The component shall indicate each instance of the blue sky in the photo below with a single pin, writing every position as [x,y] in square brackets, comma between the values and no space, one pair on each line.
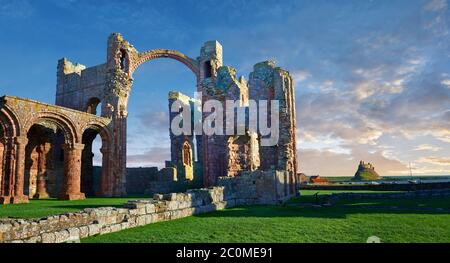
[372,77]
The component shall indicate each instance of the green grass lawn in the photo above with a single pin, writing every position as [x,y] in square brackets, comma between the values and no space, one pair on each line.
[45,207]
[295,224]
[289,223]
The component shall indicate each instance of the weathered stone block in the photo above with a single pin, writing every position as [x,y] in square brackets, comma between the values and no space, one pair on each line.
[84,231]
[48,238]
[36,239]
[105,230]
[61,236]
[94,229]
[74,233]
[116,228]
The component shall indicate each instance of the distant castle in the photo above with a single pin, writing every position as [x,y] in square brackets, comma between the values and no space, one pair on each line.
[363,165]
[366,171]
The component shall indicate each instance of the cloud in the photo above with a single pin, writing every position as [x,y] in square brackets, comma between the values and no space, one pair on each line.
[435,160]
[446,82]
[328,163]
[427,147]
[300,75]
[364,71]
[154,120]
[152,157]
[436,5]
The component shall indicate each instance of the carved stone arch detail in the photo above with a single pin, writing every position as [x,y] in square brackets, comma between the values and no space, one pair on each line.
[10,123]
[61,121]
[192,64]
[98,126]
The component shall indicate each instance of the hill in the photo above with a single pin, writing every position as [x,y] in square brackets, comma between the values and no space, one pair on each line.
[366,172]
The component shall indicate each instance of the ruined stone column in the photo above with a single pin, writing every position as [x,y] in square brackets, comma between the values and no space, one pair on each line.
[105,183]
[7,186]
[2,149]
[41,185]
[72,172]
[19,197]
[3,172]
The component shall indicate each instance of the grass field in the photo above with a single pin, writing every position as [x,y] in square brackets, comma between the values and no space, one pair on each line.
[295,224]
[289,223]
[45,207]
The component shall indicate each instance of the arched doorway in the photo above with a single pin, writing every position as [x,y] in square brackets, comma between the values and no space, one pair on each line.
[9,128]
[44,160]
[149,141]
[94,162]
[52,157]
[2,154]
[148,122]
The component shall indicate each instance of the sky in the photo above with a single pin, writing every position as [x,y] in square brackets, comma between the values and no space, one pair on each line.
[372,77]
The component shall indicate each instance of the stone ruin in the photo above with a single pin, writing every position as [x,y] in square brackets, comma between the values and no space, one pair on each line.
[46,150]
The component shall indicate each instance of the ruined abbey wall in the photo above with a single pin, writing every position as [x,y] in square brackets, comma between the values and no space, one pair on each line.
[46,150]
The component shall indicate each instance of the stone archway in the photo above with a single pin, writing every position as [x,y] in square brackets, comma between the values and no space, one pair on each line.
[165,53]
[112,82]
[123,61]
[91,182]
[11,185]
[67,126]
[66,148]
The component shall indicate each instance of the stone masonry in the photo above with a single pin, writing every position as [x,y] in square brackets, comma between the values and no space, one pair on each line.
[72,227]
[46,150]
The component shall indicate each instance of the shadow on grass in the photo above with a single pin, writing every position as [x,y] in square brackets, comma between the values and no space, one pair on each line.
[293,208]
[331,212]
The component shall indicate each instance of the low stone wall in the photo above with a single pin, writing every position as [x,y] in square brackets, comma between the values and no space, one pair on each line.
[150,180]
[139,179]
[71,227]
[258,187]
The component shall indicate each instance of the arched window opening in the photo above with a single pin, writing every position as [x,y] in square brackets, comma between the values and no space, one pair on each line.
[187,154]
[44,163]
[94,106]
[123,61]
[207,69]
[91,160]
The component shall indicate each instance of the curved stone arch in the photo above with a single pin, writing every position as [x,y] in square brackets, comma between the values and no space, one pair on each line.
[9,122]
[98,126]
[60,120]
[192,64]
[91,106]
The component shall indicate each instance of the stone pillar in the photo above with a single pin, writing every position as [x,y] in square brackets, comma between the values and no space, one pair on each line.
[19,197]
[7,184]
[72,172]
[41,185]
[3,173]
[2,149]
[105,177]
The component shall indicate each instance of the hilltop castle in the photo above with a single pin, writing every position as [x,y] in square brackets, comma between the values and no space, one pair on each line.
[366,171]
